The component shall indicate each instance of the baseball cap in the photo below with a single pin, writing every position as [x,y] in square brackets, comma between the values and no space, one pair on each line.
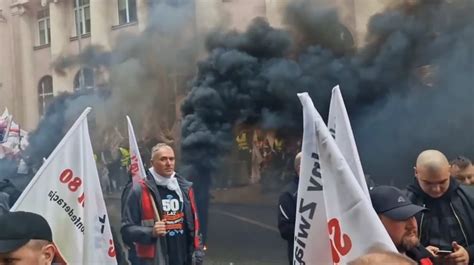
[391,202]
[18,228]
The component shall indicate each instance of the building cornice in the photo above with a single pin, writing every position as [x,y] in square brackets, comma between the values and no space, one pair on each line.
[45,3]
[18,7]
[18,10]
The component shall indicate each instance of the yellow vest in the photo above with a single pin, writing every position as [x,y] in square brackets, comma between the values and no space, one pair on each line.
[242,141]
[125,158]
[278,145]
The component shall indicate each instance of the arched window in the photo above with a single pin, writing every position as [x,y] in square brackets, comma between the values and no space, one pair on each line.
[88,81]
[45,93]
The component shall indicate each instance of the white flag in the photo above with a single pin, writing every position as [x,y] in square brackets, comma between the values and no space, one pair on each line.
[354,227]
[311,246]
[136,166]
[340,128]
[66,192]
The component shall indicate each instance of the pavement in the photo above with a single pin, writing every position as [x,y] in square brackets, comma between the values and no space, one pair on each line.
[244,235]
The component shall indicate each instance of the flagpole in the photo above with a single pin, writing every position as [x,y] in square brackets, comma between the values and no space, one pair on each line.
[134,151]
[155,210]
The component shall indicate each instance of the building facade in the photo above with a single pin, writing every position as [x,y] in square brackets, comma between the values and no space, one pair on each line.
[36,33]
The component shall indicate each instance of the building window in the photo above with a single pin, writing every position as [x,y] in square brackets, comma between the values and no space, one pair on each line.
[87,81]
[45,93]
[44,29]
[84,13]
[127,11]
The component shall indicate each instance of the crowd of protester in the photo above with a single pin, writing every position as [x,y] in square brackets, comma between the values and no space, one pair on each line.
[429,222]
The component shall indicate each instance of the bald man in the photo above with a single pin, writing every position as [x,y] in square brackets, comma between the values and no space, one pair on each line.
[449,223]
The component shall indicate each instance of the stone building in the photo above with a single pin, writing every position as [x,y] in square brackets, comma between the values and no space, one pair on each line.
[35,33]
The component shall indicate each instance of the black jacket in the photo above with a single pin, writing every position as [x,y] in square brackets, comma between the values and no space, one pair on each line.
[287,215]
[133,231]
[420,255]
[459,200]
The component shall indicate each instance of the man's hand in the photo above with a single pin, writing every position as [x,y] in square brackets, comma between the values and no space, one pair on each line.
[460,255]
[433,250]
[159,229]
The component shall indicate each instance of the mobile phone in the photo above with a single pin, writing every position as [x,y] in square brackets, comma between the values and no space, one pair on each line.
[443,252]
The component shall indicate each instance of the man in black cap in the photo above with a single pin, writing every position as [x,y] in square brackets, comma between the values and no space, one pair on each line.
[25,238]
[397,214]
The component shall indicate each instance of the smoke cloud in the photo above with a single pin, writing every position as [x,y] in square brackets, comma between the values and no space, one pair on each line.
[433,38]
[141,76]
[59,117]
[408,89]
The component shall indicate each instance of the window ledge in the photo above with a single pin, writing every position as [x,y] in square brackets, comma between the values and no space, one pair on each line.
[39,47]
[125,25]
[83,36]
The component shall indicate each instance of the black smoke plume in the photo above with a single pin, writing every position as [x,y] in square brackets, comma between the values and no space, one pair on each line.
[144,70]
[57,120]
[408,89]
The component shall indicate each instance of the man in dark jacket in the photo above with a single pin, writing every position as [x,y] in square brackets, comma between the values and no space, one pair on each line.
[287,210]
[160,215]
[129,245]
[397,214]
[449,223]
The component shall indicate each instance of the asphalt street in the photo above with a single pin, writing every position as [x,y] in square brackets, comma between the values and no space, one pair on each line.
[244,235]
[238,234]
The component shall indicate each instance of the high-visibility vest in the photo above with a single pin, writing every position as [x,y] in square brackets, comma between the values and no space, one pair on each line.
[125,157]
[242,141]
[278,145]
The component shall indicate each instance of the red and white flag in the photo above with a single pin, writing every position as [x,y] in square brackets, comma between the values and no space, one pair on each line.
[353,225]
[311,245]
[66,191]
[136,165]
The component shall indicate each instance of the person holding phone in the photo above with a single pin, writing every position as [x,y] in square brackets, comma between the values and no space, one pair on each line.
[397,214]
[448,227]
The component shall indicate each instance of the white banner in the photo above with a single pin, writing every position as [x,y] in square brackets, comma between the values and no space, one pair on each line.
[136,164]
[311,244]
[354,227]
[340,128]
[66,191]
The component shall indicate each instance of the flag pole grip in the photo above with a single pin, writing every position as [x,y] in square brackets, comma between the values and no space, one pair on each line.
[155,210]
